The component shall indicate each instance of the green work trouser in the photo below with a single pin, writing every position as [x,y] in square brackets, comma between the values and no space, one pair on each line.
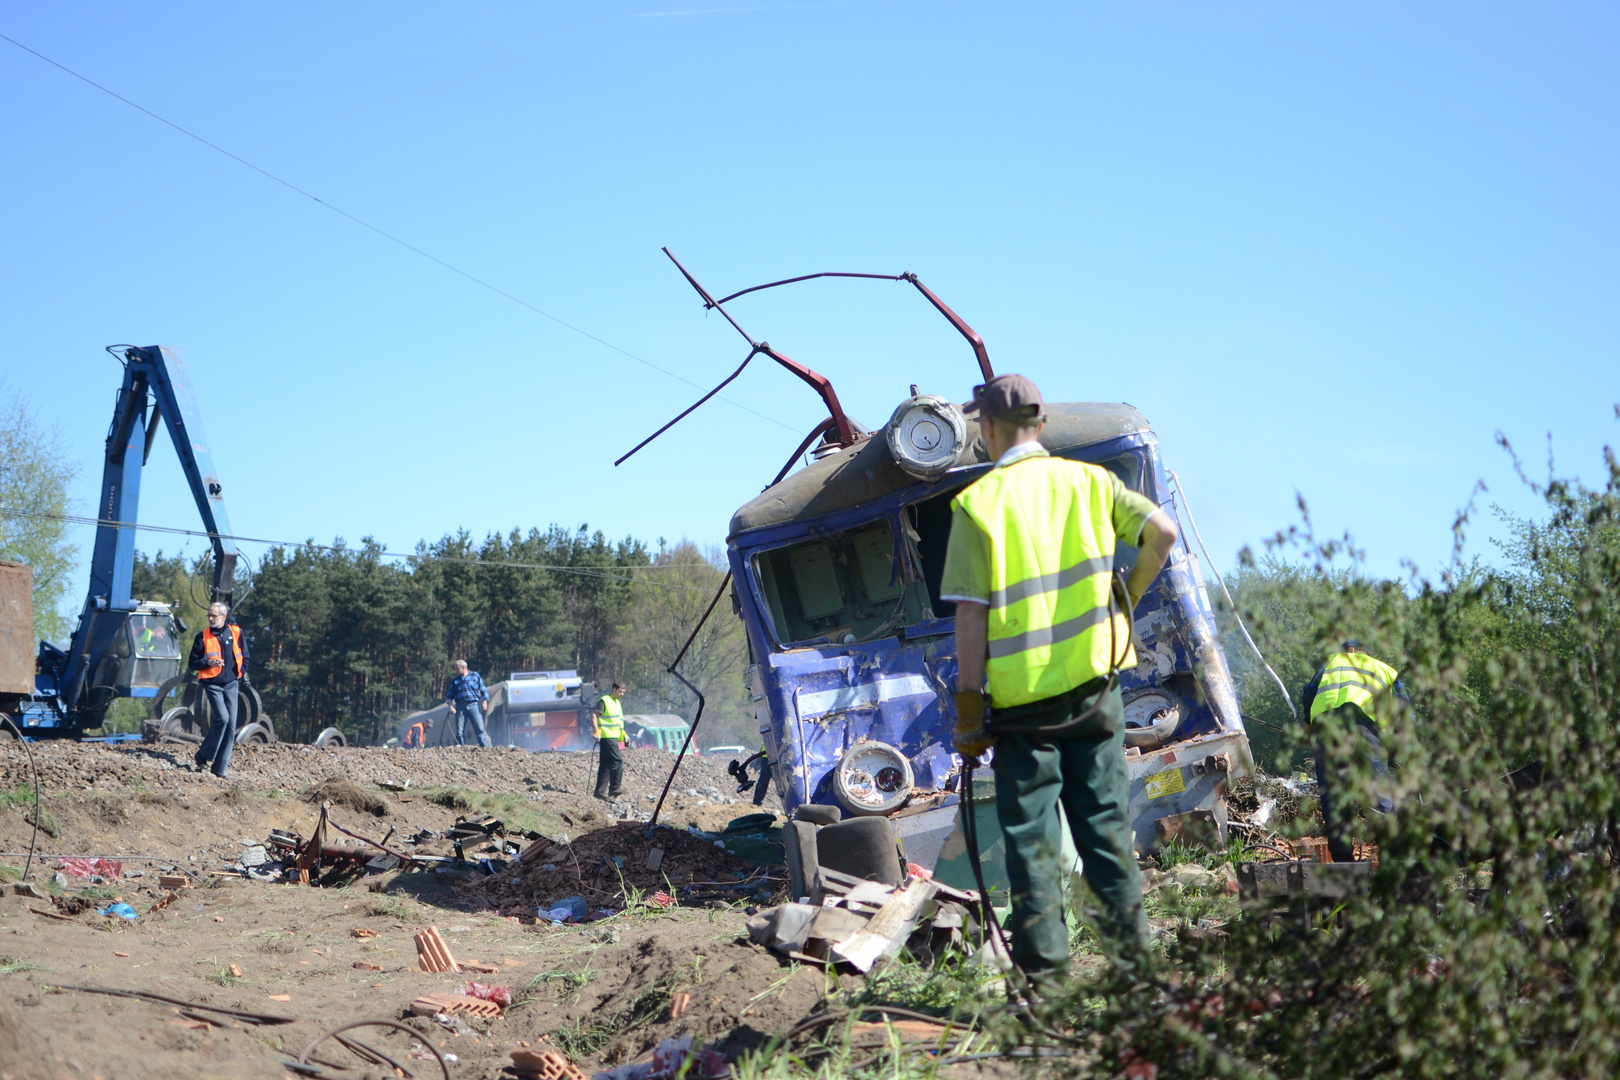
[1084,770]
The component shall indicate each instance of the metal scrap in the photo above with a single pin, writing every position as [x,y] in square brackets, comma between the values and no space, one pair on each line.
[859,922]
[142,995]
[303,1065]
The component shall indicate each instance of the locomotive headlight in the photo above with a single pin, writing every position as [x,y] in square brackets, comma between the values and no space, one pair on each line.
[926,435]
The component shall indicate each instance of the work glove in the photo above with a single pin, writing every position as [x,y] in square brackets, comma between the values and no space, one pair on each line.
[971,740]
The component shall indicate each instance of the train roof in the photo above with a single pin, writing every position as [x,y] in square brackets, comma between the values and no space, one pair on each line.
[866,472]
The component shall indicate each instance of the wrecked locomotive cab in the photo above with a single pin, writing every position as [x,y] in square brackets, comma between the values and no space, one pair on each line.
[837,570]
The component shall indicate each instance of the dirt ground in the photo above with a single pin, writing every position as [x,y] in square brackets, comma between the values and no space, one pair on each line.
[606,990]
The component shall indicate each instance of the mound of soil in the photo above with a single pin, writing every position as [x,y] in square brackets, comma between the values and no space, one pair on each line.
[680,982]
[69,766]
[341,792]
[602,866]
[23,1054]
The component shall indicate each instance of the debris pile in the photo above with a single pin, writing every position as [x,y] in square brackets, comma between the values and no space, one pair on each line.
[1268,802]
[674,1057]
[859,922]
[602,867]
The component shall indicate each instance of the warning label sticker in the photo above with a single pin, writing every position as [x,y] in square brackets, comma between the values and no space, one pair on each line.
[1160,784]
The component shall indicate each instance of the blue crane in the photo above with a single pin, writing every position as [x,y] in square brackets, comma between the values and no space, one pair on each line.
[124,646]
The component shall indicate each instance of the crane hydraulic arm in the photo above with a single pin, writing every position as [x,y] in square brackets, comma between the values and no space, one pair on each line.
[123,647]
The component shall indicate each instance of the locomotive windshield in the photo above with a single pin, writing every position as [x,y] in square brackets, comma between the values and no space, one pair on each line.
[840,587]
[862,584]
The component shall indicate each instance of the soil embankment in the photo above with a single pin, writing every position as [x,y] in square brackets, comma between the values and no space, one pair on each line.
[608,990]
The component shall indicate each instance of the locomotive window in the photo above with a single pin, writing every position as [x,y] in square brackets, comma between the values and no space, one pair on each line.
[932,520]
[1127,466]
[838,586]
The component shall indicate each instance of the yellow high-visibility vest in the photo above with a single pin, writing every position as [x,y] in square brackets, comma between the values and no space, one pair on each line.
[1353,679]
[1050,527]
[611,722]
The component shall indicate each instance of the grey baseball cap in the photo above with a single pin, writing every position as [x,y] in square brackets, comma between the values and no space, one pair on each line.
[1008,397]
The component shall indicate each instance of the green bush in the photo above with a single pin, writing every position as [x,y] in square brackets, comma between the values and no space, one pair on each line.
[1487,944]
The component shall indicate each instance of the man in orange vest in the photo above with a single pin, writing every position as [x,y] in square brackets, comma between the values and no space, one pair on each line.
[219,656]
[417,735]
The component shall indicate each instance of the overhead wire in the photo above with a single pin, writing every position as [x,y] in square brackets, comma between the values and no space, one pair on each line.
[1237,616]
[608,573]
[384,233]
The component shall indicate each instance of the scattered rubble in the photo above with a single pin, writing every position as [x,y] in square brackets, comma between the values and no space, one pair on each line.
[602,867]
[858,922]
[673,1058]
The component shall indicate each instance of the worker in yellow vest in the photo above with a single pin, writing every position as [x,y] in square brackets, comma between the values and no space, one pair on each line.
[1357,689]
[1041,629]
[607,726]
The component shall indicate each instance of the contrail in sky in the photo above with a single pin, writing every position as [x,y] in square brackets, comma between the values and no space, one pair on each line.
[772,7]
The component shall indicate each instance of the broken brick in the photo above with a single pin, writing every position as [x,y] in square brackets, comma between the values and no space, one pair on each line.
[428,1004]
[433,954]
[544,1065]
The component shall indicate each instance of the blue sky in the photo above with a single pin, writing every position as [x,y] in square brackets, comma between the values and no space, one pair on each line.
[1328,249]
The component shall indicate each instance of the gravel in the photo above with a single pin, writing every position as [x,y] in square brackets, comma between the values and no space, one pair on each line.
[69,766]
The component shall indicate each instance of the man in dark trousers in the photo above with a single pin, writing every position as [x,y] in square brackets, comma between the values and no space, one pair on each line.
[468,698]
[1354,688]
[1040,631]
[219,656]
[607,724]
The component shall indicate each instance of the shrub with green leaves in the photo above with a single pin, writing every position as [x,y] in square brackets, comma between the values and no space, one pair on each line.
[1487,944]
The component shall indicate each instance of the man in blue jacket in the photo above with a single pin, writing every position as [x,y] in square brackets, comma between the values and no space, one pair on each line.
[468,698]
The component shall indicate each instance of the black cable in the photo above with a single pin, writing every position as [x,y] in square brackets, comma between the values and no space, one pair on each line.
[605,573]
[1017,983]
[33,771]
[386,235]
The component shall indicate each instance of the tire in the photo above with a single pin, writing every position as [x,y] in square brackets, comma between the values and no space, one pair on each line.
[180,724]
[331,737]
[8,729]
[158,703]
[254,735]
[249,706]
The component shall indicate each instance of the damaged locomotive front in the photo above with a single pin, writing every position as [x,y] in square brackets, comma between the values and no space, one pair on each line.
[837,572]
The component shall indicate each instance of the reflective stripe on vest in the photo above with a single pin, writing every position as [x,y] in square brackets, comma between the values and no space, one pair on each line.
[1353,679]
[611,723]
[1050,528]
[215,657]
